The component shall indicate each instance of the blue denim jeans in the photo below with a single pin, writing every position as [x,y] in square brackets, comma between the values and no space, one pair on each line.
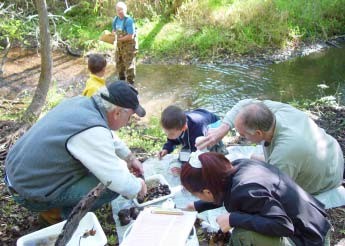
[69,198]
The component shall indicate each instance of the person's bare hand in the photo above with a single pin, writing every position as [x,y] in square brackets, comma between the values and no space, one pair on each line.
[190,207]
[223,221]
[162,153]
[135,165]
[143,189]
[176,171]
[213,136]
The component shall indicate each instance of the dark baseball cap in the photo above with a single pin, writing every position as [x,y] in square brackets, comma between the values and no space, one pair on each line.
[124,95]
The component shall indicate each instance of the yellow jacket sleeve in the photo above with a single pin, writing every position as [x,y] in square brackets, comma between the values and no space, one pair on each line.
[92,85]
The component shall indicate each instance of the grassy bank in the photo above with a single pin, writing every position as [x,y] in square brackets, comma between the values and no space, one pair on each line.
[214,28]
[196,28]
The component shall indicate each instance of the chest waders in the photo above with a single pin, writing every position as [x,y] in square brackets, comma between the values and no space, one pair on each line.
[125,56]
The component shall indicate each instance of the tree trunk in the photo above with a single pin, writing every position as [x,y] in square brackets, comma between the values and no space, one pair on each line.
[35,108]
[33,111]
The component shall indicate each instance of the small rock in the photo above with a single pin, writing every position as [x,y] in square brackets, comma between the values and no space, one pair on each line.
[15,230]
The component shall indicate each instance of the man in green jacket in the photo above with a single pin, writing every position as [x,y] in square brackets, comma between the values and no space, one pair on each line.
[291,141]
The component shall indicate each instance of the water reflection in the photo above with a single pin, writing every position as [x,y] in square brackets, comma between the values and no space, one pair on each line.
[218,88]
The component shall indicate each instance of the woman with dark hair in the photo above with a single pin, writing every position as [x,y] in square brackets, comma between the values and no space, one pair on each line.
[266,207]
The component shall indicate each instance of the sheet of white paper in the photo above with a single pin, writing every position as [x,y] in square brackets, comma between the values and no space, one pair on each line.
[160,229]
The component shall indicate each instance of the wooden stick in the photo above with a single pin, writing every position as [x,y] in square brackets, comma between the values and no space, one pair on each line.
[169,211]
[78,213]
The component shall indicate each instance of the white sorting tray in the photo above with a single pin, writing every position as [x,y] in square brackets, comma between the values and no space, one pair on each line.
[161,180]
[48,235]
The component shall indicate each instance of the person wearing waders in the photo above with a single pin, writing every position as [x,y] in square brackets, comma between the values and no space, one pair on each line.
[126,44]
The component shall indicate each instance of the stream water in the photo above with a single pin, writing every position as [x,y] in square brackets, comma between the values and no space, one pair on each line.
[213,87]
[219,87]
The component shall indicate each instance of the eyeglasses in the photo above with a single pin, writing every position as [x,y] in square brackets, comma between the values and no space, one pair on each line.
[128,112]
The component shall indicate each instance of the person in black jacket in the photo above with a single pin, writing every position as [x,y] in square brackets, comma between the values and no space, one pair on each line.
[265,206]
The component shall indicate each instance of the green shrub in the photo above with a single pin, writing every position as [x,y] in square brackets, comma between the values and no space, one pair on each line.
[13,25]
[187,28]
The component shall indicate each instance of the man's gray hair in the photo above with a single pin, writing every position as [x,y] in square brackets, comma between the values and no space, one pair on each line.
[122,5]
[107,105]
[257,116]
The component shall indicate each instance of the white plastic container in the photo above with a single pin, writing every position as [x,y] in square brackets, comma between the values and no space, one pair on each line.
[191,241]
[160,178]
[48,235]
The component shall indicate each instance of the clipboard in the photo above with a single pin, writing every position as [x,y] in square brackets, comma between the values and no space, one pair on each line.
[160,229]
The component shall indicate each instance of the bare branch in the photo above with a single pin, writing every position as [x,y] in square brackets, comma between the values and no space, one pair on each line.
[78,213]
